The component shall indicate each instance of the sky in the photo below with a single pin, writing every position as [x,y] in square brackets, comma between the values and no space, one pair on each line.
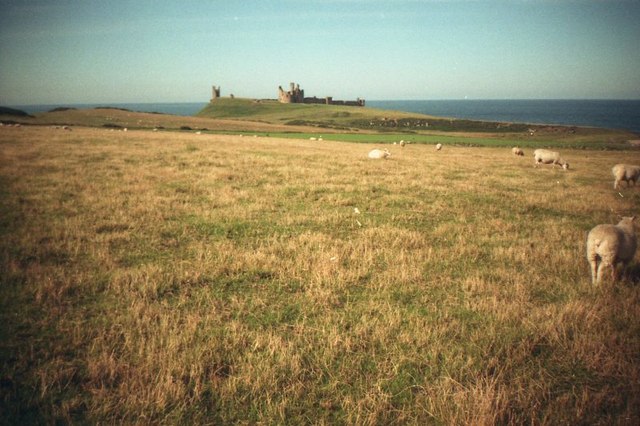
[93,51]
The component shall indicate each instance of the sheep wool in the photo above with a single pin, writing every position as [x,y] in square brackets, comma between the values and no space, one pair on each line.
[625,172]
[609,245]
[378,153]
[545,156]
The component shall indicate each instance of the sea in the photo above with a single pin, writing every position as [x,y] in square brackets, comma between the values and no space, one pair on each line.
[610,114]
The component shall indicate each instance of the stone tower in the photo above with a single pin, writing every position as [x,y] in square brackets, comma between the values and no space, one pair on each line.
[293,96]
[215,93]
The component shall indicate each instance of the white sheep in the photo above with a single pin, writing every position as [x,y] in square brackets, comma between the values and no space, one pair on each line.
[402,143]
[545,156]
[378,153]
[625,172]
[517,151]
[609,245]
[438,147]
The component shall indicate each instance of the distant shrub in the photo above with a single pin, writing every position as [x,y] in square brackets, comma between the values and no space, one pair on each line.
[297,123]
[108,107]
[11,111]
[61,109]
[185,128]
[112,126]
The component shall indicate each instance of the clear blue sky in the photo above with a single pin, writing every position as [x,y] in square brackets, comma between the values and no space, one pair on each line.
[92,51]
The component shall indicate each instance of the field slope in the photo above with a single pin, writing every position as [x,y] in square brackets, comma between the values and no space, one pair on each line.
[170,277]
[343,123]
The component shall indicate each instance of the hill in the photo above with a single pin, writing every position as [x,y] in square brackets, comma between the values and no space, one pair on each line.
[120,118]
[13,112]
[345,117]
[351,119]
[344,123]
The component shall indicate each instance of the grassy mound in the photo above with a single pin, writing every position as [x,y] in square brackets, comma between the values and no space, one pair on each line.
[350,118]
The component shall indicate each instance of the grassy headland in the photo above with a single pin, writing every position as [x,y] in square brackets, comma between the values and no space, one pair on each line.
[344,123]
[171,277]
[358,124]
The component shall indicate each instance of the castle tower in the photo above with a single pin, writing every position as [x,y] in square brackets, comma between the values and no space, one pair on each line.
[284,97]
[215,93]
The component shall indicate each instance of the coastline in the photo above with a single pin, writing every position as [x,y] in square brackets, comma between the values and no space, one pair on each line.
[607,114]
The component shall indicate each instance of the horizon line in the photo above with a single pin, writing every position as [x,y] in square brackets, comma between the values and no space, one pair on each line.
[274,99]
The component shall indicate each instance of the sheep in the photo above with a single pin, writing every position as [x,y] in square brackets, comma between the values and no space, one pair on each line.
[544,156]
[609,245]
[378,153]
[625,172]
[402,143]
[517,151]
[438,147]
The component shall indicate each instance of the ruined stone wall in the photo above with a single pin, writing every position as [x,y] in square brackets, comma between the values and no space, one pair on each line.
[215,93]
[293,96]
[296,96]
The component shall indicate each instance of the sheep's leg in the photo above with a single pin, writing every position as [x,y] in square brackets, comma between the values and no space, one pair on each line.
[614,271]
[593,262]
[623,271]
[601,267]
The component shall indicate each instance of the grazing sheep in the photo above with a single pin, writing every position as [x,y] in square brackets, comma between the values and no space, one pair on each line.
[609,245]
[402,143]
[438,147]
[378,153]
[625,172]
[544,156]
[517,151]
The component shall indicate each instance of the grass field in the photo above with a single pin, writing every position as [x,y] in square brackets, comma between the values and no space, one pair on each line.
[168,277]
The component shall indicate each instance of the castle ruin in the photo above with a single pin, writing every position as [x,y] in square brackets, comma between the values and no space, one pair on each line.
[215,93]
[296,96]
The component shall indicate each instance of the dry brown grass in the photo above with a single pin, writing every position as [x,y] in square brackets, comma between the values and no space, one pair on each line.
[181,278]
[119,118]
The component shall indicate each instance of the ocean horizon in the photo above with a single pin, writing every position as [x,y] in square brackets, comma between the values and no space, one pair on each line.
[610,114]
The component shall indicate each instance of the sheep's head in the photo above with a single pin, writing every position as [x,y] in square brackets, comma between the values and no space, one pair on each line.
[565,165]
[626,220]
[387,153]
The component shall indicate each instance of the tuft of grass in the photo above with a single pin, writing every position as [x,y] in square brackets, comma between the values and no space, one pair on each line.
[183,278]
